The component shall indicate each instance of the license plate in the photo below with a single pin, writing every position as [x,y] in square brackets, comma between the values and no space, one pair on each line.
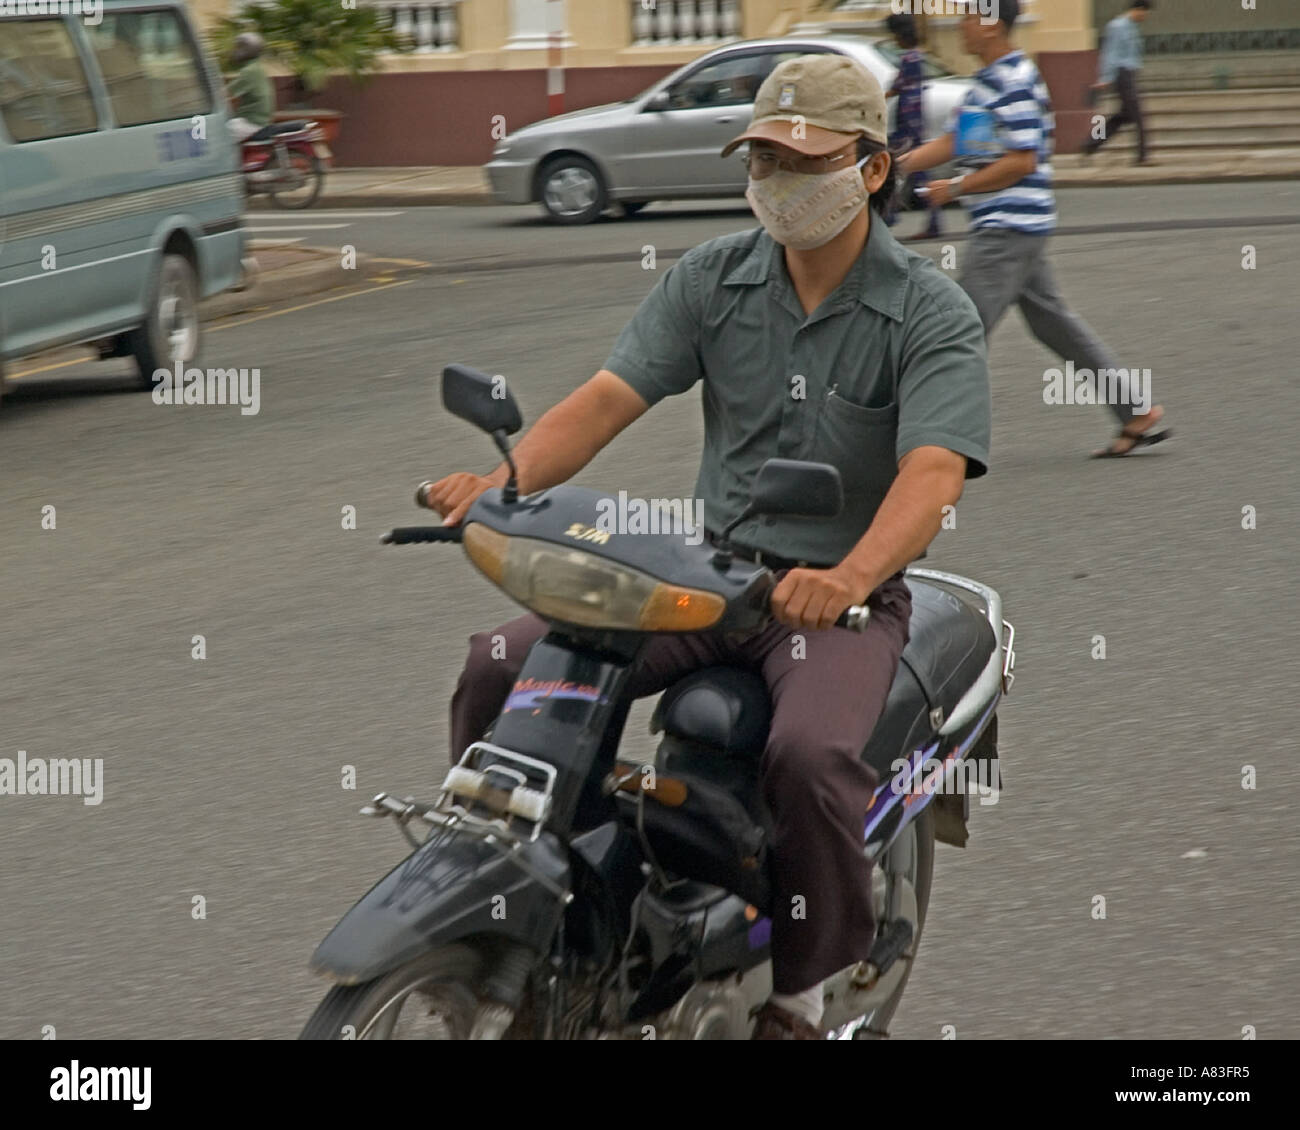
[321,150]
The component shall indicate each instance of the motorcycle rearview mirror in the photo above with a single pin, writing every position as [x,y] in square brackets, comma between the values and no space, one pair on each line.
[797,488]
[487,403]
[792,487]
[481,400]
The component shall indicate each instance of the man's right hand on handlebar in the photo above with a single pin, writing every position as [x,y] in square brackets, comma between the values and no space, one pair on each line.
[454,495]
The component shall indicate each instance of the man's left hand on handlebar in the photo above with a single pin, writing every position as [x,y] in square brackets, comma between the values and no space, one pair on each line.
[813,599]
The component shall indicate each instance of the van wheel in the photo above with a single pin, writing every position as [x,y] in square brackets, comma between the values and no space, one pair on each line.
[170,331]
[572,191]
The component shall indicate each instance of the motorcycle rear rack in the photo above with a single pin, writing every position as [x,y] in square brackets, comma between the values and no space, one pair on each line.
[997,675]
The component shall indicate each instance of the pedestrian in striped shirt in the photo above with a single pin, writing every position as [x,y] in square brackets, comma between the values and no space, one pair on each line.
[1002,135]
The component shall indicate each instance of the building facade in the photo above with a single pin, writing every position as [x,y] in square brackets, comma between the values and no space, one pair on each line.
[477,63]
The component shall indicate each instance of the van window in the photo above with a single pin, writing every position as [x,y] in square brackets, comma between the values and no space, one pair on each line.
[150,67]
[43,89]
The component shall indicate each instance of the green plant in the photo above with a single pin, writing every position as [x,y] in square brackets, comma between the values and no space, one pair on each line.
[312,39]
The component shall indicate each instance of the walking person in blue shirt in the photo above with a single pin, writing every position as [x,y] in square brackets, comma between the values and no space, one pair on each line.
[1121,59]
[1007,122]
[909,124]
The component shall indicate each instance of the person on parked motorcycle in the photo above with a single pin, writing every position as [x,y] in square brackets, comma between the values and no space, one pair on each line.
[251,93]
[817,336]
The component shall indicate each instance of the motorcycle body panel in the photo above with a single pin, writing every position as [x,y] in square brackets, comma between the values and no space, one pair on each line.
[454,886]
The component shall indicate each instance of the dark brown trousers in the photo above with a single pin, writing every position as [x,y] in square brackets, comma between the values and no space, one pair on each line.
[828,690]
[1129,113]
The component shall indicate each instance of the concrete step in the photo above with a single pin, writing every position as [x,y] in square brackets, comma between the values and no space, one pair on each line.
[1255,137]
[1189,84]
[1114,166]
[1237,64]
[1168,142]
[1238,72]
[1225,120]
[1247,101]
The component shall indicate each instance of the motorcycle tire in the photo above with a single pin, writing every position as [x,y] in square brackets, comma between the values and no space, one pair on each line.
[443,979]
[315,175]
[878,1029]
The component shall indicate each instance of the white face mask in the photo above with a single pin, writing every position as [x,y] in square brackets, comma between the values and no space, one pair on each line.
[805,210]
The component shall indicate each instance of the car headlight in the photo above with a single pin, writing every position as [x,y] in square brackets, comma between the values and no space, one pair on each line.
[584,589]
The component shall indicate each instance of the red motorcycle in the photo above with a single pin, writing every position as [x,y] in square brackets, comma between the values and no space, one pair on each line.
[286,161]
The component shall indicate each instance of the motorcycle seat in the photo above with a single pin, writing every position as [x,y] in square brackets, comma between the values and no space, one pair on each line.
[727,709]
[277,128]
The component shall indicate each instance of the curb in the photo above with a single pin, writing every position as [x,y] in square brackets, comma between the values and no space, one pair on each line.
[322,273]
[1062,178]
[1075,178]
[413,198]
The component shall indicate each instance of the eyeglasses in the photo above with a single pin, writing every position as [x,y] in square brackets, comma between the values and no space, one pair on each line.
[760,163]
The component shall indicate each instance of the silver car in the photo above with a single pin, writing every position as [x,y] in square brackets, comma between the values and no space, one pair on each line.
[664,143]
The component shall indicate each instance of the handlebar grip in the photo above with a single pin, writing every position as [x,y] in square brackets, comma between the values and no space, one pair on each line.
[412,535]
[854,618]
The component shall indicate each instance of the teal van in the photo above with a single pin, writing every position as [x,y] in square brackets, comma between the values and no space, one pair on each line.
[120,191]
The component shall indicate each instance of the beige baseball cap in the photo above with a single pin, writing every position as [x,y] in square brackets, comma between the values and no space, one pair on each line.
[815,103]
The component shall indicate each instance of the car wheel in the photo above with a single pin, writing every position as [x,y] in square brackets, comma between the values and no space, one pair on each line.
[572,191]
[170,330]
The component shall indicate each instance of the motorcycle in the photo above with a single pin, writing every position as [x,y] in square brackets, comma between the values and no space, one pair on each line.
[286,161]
[561,892]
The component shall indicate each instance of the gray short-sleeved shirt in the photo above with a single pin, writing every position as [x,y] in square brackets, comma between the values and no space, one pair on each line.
[892,360]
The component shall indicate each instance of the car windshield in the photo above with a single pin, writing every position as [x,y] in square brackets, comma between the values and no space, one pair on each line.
[891,53]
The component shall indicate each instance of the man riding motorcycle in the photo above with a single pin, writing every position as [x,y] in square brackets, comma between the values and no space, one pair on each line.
[817,337]
[251,93]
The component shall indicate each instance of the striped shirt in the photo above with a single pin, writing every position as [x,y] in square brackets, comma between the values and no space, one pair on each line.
[1011,94]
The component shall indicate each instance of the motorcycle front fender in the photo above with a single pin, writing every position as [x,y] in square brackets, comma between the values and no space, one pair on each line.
[448,889]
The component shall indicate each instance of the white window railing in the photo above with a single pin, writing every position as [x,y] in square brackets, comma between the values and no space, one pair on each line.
[432,26]
[660,23]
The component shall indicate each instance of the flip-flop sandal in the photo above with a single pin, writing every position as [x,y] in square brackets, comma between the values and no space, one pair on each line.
[1146,439]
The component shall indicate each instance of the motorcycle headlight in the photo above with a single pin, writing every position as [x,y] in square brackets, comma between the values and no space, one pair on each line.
[582,588]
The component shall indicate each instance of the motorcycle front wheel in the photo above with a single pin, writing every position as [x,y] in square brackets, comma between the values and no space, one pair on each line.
[429,998]
[310,173]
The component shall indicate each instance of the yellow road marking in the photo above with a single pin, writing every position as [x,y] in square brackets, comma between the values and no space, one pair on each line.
[222,326]
[307,305]
[47,368]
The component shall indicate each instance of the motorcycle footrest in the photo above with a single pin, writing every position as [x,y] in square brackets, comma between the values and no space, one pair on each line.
[890,946]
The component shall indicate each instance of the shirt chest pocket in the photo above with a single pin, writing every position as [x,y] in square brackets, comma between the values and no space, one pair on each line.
[860,443]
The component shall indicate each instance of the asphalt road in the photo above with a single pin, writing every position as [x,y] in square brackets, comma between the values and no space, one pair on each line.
[1123,775]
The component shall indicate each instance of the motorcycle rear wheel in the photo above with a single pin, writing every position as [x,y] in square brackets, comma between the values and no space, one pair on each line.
[430,997]
[306,194]
[921,876]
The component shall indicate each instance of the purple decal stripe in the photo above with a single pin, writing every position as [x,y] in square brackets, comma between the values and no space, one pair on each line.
[879,811]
